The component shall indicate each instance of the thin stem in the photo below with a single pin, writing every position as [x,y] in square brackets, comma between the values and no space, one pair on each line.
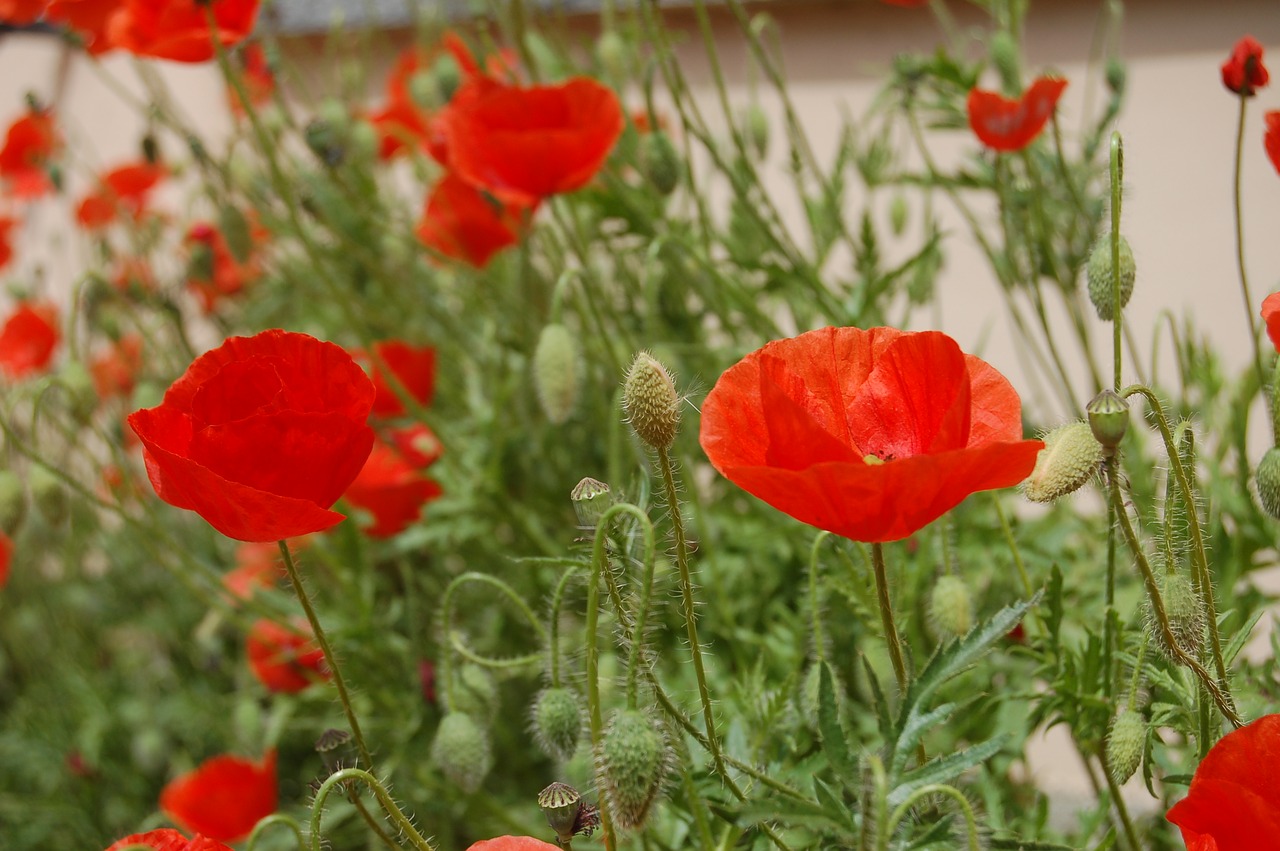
[1122,809]
[553,630]
[342,777]
[1239,223]
[1013,545]
[641,617]
[1117,184]
[886,616]
[276,818]
[815,612]
[966,809]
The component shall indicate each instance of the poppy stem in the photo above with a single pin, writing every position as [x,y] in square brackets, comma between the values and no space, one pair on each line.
[1239,222]
[886,616]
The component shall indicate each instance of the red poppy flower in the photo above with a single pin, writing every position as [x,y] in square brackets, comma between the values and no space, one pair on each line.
[1271,316]
[528,143]
[1234,802]
[133,274]
[255,74]
[6,557]
[260,435]
[1272,138]
[417,444]
[168,839]
[401,126]
[29,144]
[28,339]
[258,565]
[1010,125]
[870,434]
[1243,72]
[87,18]
[21,12]
[7,223]
[392,490]
[125,188]
[223,798]
[213,272]
[178,29]
[115,370]
[512,843]
[462,222]
[284,659]
[413,366]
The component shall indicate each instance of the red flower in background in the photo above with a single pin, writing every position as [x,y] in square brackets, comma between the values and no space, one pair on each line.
[168,839]
[223,798]
[462,222]
[178,29]
[122,189]
[512,843]
[870,434]
[1243,72]
[21,12]
[261,435]
[213,270]
[255,74]
[414,367]
[29,144]
[527,143]
[115,370]
[28,339]
[6,557]
[392,490]
[284,659]
[258,565]
[88,18]
[401,126]
[1271,141]
[7,223]
[1234,802]
[1010,125]
[417,444]
[1271,316]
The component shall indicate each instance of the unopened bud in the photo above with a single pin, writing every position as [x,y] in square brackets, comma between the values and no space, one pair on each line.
[1099,275]
[591,499]
[1125,744]
[633,764]
[474,692]
[898,212]
[1268,478]
[13,502]
[1108,414]
[1116,76]
[611,53]
[557,722]
[650,400]
[48,494]
[756,124]
[1070,457]
[950,608]
[461,751]
[660,161]
[1004,56]
[557,372]
[1184,611]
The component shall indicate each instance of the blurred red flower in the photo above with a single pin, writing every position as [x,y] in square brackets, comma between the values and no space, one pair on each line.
[168,839]
[467,224]
[29,144]
[1234,803]
[6,557]
[870,434]
[392,490]
[1271,316]
[512,843]
[417,444]
[258,565]
[28,339]
[7,223]
[21,12]
[256,77]
[527,143]
[261,435]
[122,189]
[213,270]
[1003,124]
[178,29]
[224,798]
[88,18]
[1243,72]
[284,659]
[133,274]
[413,366]
[115,370]
[1271,141]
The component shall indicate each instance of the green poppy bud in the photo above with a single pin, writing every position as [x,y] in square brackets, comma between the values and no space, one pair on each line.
[660,161]
[474,692]
[448,77]
[1098,274]
[557,372]
[48,494]
[13,502]
[1108,414]
[613,55]
[1268,478]
[1125,743]
[756,126]
[650,400]
[633,763]
[1004,56]
[950,608]
[1070,458]
[1185,611]
[898,212]
[557,722]
[461,751]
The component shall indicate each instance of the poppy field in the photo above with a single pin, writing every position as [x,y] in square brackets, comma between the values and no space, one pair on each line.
[481,455]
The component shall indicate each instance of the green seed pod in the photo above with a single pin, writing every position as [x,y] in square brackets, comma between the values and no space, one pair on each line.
[1125,743]
[461,751]
[613,55]
[633,764]
[448,77]
[48,494]
[950,608]
[1108,414]
[660,161]
[557,372]
[561,804]
[475,692]
[13,503]
[1116,75]
[650,400]
[557,722]
[1004,56]
[424,90]
[756,126]
[1268,478]
[898,212]
[364,141]
[1184,610]
[591,499]
[1070,458]
[1098,274]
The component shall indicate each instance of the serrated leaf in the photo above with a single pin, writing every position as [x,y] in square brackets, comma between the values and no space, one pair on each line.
[946,768]
[913,730]
[833,805]
[883,719]
[1237,642]
[834,743]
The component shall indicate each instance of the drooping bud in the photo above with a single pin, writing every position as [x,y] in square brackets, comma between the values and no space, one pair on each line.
[650,400]
[48,494]
[1268,478]
[660,161]
[1108,414]
[633,764]
[1115,75]
[81,398]
[557,372]
[448,76]
[1004,56]
[1098,273]
[1125,743]
[13,502]
[1070,457]
[611,53]
[756,125]
[898,212]
[1185,611]
[461,751]
[474,692]
[591,499]
[557,722]
[950,608]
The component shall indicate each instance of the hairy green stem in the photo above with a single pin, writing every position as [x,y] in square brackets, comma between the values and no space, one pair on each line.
[886,616]
[1239,227]
[966,809]
[343,777]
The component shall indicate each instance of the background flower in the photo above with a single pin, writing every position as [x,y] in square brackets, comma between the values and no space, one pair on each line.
[28,339]
[178,29]
[392,490]
[223,798]
[1243,72]
[1003,124]
[284,659]
[168,839]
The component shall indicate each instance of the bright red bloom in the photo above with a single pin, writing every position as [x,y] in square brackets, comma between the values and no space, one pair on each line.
[115,370]
[255,74]
[392,490]
[213,271]
[88,18]
[168,839]
[1234,801]
[527,143]
[28,339]
[512,843]
[1010,125]
[870,434]
[413,366]
[417,443]
[284,659]
[261,435]
[6,557]
[1271,316]
[178,29]
[258,565]
[21,12]
[462,222]
[1243,72]
[7,223]
[122,189]
[223,798]
[1272,138]
[29,144]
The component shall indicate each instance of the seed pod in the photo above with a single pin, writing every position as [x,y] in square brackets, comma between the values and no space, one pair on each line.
[557,722]
[591,499]
[660,161]
[950,608]
[1098,274]
[1125,744]
[461,751]
[633,764]
[1268,478]
[1070,457]
[650,401]
[1108,414]
[561,803]
[557,372]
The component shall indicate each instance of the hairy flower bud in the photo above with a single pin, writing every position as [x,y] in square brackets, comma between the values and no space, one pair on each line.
[1185,611]
[898,212]
[1268,477]
[650,400]
[1098,273]
[1070,457]
[557,722]
[13,502]
[557,372]
[633,763]
[461,751]
[660,161]
[950,608]
[474,692]
[757,129]
[1125,743]
[1108,414]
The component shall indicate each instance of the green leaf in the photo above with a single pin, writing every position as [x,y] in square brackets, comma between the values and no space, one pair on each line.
[1022,845]
[832,804]
[945,769]
[834,743]
[883,719]
[1053,598]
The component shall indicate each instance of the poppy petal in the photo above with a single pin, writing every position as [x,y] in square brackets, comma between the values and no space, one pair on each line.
[224,798]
